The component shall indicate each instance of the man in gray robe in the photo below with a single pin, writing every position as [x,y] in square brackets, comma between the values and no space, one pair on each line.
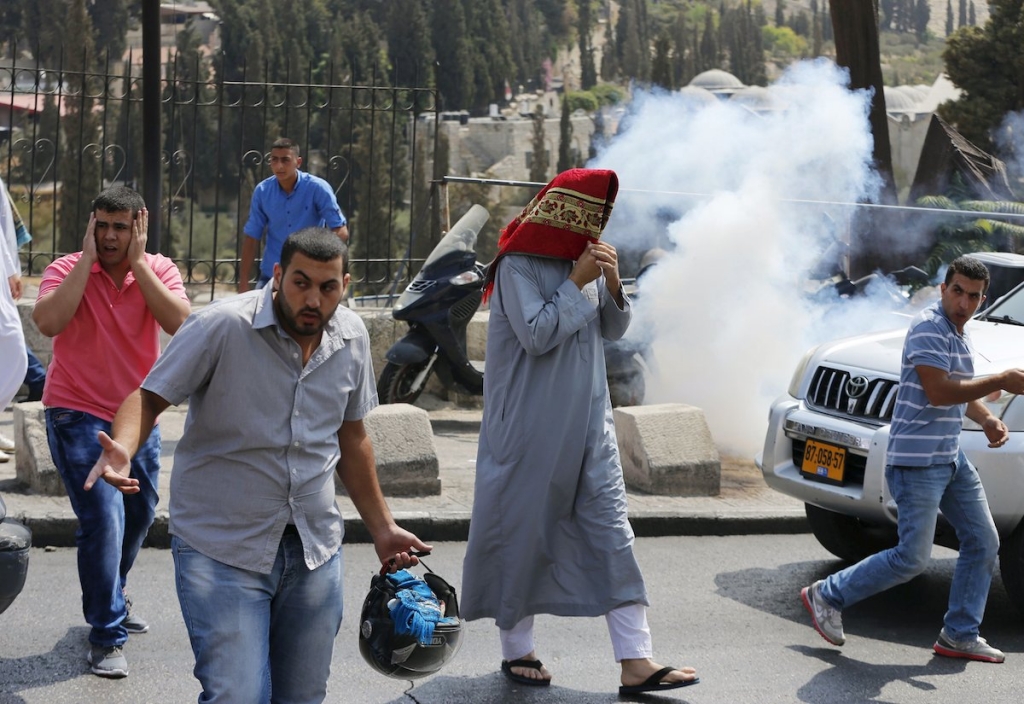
[549,531]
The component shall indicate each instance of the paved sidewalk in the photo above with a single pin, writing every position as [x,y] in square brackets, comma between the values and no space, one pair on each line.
[745,504]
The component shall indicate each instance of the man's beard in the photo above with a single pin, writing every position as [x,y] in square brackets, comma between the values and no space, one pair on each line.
[288,319]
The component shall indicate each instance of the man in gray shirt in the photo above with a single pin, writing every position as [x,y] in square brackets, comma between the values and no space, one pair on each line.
[278,382]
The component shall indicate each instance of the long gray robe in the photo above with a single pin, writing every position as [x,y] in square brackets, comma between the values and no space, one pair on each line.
[549,532]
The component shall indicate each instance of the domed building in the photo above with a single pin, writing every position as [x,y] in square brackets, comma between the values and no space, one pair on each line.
[697,97]
[721,83]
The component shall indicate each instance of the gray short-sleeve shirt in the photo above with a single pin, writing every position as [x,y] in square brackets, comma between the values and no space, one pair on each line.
[260,444]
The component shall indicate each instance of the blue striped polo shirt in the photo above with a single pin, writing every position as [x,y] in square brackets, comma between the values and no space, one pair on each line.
[923,434]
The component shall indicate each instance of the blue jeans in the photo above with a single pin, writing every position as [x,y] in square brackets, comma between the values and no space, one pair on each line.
[919,493]
[111,525]
[35,376]
[260,638]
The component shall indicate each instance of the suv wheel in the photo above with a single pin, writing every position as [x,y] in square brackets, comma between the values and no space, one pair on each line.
[1011,566]
[850,538]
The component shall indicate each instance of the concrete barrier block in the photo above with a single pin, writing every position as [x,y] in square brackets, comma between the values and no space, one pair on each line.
[35,467]
[403,443]
[41,345]
[667,449]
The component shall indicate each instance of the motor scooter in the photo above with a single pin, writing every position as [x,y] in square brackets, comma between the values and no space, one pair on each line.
[15,541]
[438,305]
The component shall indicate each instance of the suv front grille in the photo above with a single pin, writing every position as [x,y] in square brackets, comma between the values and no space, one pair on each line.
[873,401]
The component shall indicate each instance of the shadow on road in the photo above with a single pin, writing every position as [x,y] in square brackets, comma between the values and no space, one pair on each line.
[909,614]
[863,682]
[46,669]
[496,689]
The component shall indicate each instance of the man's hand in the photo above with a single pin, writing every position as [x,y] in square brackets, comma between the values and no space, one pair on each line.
[14,281]
[1012,380]
[394,548]
[586,268]
[113,467]
[608,259]
[140,235]
[996,431]
[89,252]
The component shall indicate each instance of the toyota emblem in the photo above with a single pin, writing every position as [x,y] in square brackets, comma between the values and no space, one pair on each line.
[857,387]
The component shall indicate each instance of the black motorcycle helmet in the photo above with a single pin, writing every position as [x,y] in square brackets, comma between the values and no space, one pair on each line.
[401,656]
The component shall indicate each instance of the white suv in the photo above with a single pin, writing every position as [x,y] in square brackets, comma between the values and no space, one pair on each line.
[827,439]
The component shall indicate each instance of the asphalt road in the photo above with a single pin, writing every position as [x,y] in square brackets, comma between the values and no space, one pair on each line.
[727,605]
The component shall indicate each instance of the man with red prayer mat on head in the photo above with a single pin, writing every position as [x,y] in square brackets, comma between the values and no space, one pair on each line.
[549,532]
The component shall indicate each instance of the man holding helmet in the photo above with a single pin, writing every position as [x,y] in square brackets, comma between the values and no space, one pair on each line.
[256,532]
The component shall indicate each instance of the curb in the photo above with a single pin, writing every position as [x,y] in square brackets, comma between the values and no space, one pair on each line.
[59,531]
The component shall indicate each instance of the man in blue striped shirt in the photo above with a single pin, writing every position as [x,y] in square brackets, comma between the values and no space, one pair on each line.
[927,471]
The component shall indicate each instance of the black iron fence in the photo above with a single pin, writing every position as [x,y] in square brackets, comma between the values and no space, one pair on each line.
[67,133]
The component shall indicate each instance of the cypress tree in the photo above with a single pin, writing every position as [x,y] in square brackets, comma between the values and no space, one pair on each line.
[585,26]
[565,160]
[539,165]
[79,175]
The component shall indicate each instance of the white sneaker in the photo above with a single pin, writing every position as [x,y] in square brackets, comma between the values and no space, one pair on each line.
[6,444]
[828,621]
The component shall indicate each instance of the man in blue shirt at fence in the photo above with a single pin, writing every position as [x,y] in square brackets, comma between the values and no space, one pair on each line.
[282,204]
[927,471]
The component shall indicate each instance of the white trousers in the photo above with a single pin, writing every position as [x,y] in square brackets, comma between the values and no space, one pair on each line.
[627,626]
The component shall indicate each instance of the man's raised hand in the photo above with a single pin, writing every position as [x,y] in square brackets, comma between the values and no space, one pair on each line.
[113,467]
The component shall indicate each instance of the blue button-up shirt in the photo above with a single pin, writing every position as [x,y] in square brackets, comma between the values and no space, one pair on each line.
[310,204]
[260,444]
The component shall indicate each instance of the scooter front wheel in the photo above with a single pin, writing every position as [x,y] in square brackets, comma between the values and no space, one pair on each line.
[403,383]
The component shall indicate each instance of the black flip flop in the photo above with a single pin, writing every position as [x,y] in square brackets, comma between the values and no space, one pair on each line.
[654,683]
[507,665]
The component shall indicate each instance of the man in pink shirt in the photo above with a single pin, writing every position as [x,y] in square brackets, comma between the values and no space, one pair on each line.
[105,307]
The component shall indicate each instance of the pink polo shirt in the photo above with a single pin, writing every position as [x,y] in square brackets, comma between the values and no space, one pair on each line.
[111,342]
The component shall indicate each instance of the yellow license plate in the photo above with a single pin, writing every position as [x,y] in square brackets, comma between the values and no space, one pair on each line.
[824,461]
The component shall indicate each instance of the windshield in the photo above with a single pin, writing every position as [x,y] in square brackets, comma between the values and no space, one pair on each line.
[462,236]
[1009,308]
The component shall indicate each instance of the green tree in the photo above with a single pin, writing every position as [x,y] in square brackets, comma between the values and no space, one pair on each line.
[454,54]
[986,64]
[962,15]
[556,16]
[409,46]
[12,18]
[540,162]
[110,25]
[565,160]
[709,52]
[633,40]
[886,11]
[661,66]
[80,162]
[531,37]
[949,17]
[44,29]
[780,13]
[379,164]
[610,56]
[487,25]
[971,17]
[585,28]
[742,38]
[922,15]
[962,234]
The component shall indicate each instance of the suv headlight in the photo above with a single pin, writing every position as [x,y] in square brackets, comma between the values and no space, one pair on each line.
[1002,407]
[798,374]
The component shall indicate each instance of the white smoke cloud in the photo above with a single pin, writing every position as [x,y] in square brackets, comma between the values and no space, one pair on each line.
[726,309]
[1009,137]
